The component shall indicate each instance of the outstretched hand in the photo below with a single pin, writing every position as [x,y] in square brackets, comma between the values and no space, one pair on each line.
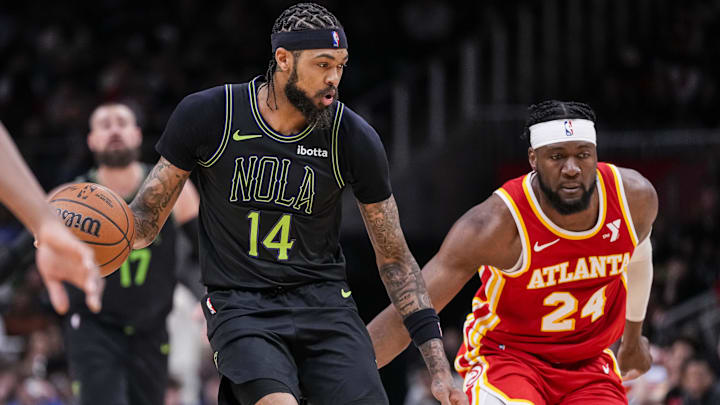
[62,257]
[634,358]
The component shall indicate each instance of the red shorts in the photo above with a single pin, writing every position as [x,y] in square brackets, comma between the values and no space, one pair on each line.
[521,378]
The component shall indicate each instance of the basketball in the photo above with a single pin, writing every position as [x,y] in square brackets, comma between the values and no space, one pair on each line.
[100,218]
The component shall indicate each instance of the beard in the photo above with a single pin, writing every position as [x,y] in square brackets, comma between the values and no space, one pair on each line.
[321,117]
[562,206]
[117,157]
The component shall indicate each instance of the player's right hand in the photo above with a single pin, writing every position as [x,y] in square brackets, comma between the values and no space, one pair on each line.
[62,257]
[634,357]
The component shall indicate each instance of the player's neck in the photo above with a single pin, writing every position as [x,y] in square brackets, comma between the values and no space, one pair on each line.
[577,222]
[280,114]
[122,180]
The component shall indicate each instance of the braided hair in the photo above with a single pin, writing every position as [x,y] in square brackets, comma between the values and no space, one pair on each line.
[552,110]
[299,17]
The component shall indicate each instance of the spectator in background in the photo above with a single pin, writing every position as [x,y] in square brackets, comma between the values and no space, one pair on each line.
[651,387]
[8,381]
[36,391]
[680,281]
[680,351]
[698,384]
[419,387]
[210,390]
[172,392]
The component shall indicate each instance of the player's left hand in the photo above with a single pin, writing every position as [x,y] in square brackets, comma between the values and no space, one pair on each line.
[634,358]
[444,390]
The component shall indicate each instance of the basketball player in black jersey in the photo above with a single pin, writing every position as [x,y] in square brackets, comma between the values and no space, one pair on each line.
[119,355]
[272,158]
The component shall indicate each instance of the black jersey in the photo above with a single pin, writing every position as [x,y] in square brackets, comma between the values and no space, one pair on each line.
[270,204]
[139,294]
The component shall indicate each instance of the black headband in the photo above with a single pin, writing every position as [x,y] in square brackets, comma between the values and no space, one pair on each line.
[309,39]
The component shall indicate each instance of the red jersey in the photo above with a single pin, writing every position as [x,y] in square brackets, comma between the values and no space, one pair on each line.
[565,299]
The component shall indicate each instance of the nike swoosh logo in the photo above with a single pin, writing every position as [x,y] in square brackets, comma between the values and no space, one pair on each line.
[538,248]
[344,293]
[238,137]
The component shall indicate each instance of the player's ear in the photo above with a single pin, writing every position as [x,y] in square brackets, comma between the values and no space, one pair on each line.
[138,135]
[283,58]
[532,158]
[90,139]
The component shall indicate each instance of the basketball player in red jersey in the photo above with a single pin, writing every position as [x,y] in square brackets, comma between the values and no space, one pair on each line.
[564,257]
[60,256]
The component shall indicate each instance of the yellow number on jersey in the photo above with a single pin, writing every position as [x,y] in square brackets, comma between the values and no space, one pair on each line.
[556,321]
[595,306]
[282,226]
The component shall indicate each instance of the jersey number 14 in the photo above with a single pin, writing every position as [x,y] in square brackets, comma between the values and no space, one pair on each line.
[278,237]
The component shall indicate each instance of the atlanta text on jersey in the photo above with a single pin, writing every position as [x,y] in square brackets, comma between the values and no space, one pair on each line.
[585,269]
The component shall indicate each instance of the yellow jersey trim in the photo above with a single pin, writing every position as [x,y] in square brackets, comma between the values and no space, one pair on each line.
[334,139]
[226,131]
[624,207]
[616,367]
[494,389]
[265,128]
[481,326]
[522,230]
[558,231]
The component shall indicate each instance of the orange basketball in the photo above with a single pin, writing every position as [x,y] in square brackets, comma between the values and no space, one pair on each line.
[100,218]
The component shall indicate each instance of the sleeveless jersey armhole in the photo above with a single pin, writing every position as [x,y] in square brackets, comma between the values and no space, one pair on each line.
[335,147]
[523,262]
[226,131]
[624,206]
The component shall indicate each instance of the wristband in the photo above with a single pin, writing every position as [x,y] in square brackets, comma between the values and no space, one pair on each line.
[423,325]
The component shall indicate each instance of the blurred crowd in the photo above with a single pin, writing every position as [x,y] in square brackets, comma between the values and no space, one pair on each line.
[59,60]
[669,75]
[62,59]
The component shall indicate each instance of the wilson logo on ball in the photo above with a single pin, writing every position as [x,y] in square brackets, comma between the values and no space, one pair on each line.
[86,191]
[89,225]
[85,208]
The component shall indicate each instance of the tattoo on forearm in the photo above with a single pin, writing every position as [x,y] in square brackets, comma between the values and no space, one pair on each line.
[405,286]
[434,355]
[154,201]
[398,269]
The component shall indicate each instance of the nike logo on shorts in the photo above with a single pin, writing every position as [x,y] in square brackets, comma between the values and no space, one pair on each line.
[345,294]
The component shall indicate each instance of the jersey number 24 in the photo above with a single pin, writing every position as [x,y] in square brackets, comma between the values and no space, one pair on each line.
[560,320]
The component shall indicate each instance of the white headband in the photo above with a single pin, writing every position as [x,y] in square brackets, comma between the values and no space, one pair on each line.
[563,130]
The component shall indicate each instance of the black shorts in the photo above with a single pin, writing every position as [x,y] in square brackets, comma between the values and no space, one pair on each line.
[114,365]
[309,338]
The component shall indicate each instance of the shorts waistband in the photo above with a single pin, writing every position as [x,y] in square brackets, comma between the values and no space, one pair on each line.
[264,290]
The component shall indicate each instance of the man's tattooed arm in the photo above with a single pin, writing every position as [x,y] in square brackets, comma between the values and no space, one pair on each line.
[398,269]
[154,202]
[401,275]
